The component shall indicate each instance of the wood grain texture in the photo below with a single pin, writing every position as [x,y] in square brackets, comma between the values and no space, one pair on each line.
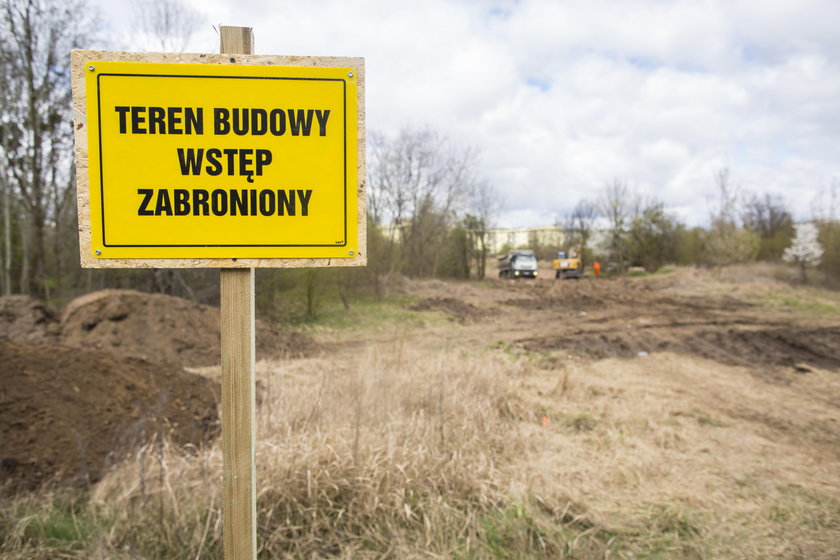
[79,62]
[236,40]
[238,414]
[238,383]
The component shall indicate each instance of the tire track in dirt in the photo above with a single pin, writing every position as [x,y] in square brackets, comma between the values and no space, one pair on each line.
[734,343]
[623,318]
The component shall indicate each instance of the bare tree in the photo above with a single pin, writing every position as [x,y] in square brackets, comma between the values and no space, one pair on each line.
[725,209]
[11,137]
[767,216]
[770,219]
[618,204]
[6,282]
[579,224]
[418,181]
[166,24]
[825,217]
[824,204]
[727,242]
[483,205]
[35,38]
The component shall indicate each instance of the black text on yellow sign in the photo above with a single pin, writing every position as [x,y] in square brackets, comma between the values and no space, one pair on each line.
[211,161]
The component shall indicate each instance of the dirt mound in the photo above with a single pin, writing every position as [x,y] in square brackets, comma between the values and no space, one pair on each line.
[460,311]
[26,320]
[66,414]
[799,348]
[163,328]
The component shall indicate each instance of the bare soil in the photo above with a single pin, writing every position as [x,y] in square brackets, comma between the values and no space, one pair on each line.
[26,320]
[630,318]
[627,319]
[458,310]
[81,388]
[131,324]
[158,327]
[67,414]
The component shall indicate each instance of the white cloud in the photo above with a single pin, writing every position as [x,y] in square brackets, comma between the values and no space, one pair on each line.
[563,97]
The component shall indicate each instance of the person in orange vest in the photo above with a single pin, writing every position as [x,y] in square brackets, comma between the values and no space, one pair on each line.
[596,268]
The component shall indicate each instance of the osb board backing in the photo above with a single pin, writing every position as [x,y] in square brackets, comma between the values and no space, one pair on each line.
[79,63]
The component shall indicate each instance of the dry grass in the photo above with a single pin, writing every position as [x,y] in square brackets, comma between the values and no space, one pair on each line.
[392,454]
[762,282]
[688,458]
[438,443]
[401,454]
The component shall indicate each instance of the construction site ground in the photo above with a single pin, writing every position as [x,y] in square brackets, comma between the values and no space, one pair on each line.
[713,396]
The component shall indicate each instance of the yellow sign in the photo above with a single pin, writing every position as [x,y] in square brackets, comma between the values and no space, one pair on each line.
[221,161]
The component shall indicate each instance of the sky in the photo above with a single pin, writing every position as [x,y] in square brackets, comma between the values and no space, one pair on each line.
[562,98]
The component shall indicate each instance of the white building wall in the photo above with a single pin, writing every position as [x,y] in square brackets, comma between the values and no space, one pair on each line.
[524,238]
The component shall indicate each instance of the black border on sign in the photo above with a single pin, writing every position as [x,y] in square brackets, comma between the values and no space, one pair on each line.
[134,75]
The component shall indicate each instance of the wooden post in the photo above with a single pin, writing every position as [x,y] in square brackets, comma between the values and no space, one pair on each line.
[238,382]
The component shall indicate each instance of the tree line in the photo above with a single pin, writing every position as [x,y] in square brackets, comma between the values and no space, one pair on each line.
[639,231]
[38,217]
[429,207]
